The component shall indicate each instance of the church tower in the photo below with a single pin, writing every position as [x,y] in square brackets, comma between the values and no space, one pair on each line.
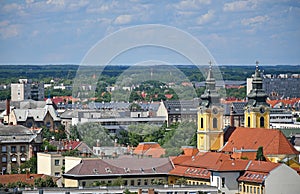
[210,115]
[257,110]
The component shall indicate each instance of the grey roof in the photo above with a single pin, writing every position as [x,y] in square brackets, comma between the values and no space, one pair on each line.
[182,107]
[15,134]
[122,166]
[37,114]
[238,108]
[32,104]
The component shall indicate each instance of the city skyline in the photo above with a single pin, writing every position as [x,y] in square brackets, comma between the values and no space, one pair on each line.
[234,32]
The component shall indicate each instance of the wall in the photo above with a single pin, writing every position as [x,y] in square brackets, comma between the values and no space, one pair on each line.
[282,179]
[71,162]
[43,163]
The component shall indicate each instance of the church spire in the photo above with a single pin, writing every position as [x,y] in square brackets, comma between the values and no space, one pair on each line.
[210,95]
[257,95]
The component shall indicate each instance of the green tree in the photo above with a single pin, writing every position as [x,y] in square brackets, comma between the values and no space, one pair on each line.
[260,154]
[29,164]
[118,182]
[90,132]
[181,181]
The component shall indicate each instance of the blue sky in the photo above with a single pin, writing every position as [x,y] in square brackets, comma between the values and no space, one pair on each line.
[235,32]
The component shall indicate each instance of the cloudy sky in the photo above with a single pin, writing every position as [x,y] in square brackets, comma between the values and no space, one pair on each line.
[235,32]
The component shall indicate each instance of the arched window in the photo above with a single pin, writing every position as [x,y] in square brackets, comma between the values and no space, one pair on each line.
[201,123]
[262,122]
[248,121]
[215,123]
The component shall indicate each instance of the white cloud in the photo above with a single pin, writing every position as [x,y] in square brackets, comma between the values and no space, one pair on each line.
[29,1]
[123,19]
[205,18]
[240,6]
[11,7]
[4,23]
[255,20]
[191,4]
[9,31]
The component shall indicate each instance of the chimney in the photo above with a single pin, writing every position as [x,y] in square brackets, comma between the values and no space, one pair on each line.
[231,116]
[27,174]
[7,107]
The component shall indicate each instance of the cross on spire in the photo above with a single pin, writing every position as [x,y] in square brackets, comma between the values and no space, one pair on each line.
[257,64]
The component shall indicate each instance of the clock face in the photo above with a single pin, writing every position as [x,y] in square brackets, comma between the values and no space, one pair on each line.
[215,110]
[262,110]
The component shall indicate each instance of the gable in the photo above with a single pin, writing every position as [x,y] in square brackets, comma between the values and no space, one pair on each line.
[273,141]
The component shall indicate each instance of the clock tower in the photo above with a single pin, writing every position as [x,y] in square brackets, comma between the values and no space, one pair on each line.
[210,115]
[257,110]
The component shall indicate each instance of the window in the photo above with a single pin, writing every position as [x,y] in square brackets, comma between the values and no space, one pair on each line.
[215,123]
[125,182]
[56,162]
[223,182]
[83,183]
[262,122]
[4,159]
[56,174]
[201,122]
[132,182]
[14,158]
[22,149]
[139,182]
[248,121]
[13,149]
[3,149]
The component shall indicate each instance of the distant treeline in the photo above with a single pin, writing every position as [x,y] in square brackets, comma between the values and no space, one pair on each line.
[11,73]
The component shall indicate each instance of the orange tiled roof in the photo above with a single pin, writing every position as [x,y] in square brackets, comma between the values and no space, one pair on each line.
[284,101]
[190,172]
[257,177]
[262,166]
[149,148]
[190,151]
[11,178]
[273,141]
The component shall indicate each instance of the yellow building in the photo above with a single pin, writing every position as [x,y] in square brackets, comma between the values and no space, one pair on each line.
[210,115]
[257,111]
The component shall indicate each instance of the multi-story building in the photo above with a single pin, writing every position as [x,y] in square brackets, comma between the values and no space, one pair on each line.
[18,144]
[283,85]
[35,117]
[181,110]
[26,89]
[210,118]
[131,170]
[232,176]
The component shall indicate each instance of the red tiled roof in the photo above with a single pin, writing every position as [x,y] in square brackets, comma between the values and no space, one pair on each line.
[190,151]
[190,172]
[284,101]
[257,177]
[150,149]
[273,141]
[11,178]
[262,166]
[208,160]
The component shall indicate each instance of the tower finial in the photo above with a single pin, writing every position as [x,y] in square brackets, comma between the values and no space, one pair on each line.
[210,64]
[257,64]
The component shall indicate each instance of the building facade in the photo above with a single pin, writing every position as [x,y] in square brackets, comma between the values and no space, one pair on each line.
[18,144]
[210,118]
[26,89]
[257,110]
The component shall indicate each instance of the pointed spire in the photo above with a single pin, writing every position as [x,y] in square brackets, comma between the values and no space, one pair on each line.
[257,72]
[210,74]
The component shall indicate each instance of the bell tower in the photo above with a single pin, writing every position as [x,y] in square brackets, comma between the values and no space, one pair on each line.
[257,110]
[210,115]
